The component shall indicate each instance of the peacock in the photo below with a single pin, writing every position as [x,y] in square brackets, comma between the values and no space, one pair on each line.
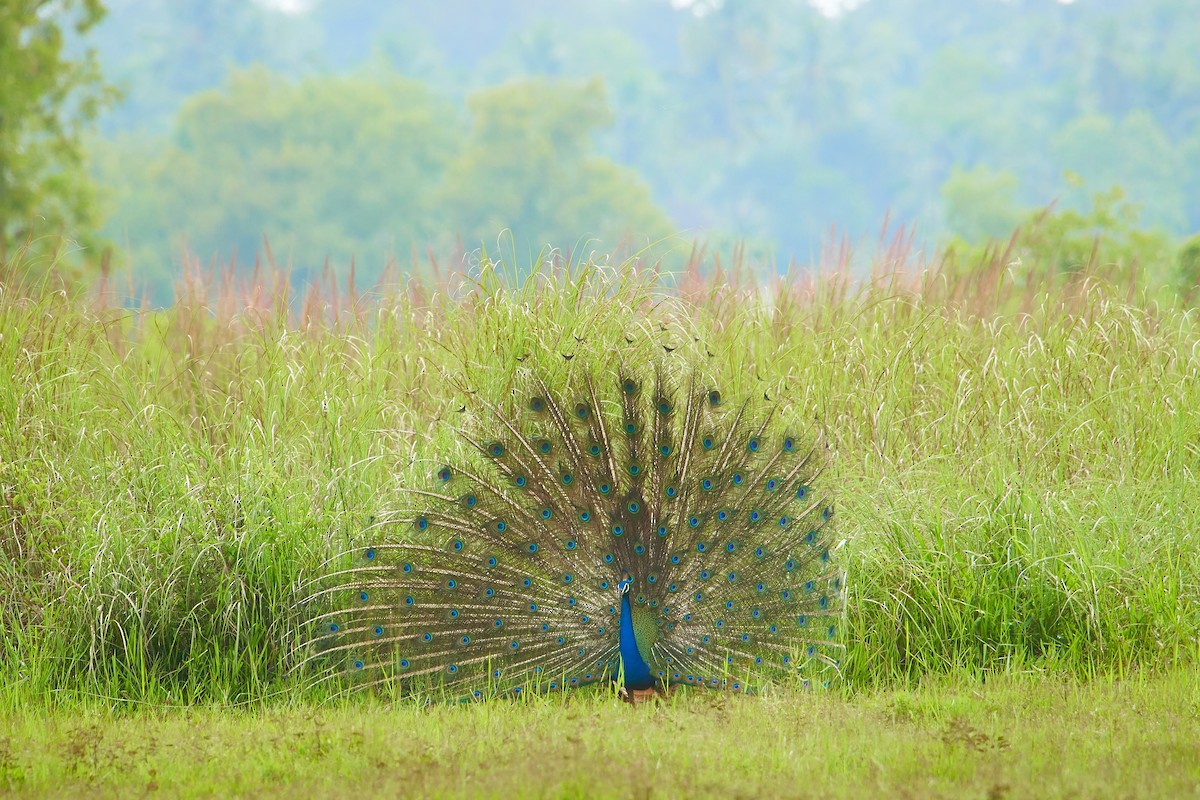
[637,530]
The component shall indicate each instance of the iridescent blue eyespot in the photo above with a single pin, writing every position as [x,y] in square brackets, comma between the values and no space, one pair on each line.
[662,530]
[492,561]
[772,485]
[755,516]
[527,582]
[458,545]
[707,443]
[428,637]
[802,492]
[758,552]
[567,478]
[363,596]
[675,559]
[520,481]
[501,525]
[581,411]
[545,446]
[788,444]
[639,549]
[444,474]
[547,513]
[408,601]
[701,547]
[664,450]
[738,478]
[404,663]
[694,522]
[729,548]
[671,492]
[714,398]
[608,558]
[594,450]
[533,548]
[634,508]
[618,530]
[422,523]
[706,484]
[753,445]
[605,488]
[407,567]
[358,665]
[333,628]
[585,516]
[630,429]
[496,449]
[572,544]
[704,574]
[369,555]
[722,515]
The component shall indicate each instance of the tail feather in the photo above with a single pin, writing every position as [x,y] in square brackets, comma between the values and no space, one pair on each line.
[507,577]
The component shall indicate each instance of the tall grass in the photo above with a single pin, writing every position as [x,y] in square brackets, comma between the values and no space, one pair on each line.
[1016,454]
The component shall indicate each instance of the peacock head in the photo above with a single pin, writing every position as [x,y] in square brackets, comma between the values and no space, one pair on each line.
[623,586]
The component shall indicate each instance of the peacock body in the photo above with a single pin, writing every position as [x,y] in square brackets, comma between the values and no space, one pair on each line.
[643,532]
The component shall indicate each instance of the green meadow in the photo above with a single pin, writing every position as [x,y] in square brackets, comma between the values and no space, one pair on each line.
[1014,454]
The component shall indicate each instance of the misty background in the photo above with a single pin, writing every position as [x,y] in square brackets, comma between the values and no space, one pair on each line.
[379,129]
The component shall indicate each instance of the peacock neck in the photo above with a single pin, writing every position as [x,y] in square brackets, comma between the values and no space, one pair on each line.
[637,671]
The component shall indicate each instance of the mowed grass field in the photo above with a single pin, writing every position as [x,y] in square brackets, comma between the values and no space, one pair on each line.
[1015,459]
[1013,736]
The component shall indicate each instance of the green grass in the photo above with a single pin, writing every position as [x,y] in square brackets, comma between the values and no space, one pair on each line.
[1016,736]
[1015,466]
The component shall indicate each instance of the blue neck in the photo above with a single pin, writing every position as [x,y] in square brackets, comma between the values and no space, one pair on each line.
[637,671]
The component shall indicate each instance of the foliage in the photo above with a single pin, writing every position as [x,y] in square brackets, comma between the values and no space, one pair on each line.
[325,167]
[368,167]
[1188,266]
[47,98]
[767,120]
[981,204]
[527,167]
[1065,240]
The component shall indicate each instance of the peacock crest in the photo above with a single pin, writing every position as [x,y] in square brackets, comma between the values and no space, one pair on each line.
[638,529]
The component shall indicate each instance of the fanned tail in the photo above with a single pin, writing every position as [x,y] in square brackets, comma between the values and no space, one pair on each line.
[507,578]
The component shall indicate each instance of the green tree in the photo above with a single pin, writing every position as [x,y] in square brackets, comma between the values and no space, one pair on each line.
[47,99]
[529,166]
[332,166]
[980,204]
